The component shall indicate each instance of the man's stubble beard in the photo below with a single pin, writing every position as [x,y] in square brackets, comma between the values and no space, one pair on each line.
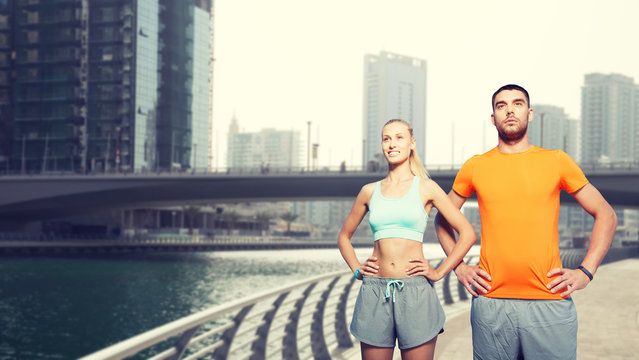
[513,136]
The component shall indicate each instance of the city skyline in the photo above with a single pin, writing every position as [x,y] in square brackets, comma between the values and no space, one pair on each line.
[295,68]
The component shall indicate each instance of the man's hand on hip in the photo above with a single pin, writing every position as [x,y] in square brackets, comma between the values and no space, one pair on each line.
[472,276]
[568,280]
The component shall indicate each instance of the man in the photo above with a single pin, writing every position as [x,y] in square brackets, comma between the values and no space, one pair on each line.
[525,309]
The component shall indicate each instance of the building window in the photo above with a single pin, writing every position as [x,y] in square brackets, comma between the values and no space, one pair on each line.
[32,55]
[32,37]
[4,21]
[33,17]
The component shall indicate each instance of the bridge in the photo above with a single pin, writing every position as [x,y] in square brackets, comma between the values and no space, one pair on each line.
[41,197]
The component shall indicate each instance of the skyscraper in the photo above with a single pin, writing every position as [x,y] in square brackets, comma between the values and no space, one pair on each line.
[267,148]
[610,119]
[552,129]
[394,88]
[5,85]
[113,86]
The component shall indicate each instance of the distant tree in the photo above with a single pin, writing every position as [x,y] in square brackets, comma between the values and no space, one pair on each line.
[263,219]
[191,212]
[289,217]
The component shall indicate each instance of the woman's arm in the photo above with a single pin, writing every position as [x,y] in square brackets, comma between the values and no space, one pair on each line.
[360,207]
[471,276]
[456,219]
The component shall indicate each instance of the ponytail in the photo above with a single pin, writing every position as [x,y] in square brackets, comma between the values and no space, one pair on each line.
[415,163]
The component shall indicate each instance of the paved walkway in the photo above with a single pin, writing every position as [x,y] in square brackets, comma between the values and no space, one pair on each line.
[608,311]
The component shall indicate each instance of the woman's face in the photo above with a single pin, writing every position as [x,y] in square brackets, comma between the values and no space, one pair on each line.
[397,142]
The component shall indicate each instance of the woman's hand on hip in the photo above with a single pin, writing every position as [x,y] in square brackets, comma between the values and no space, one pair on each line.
[422,267]
[370,267]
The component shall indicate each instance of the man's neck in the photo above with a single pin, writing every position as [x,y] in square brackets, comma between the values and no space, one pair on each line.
[513,147]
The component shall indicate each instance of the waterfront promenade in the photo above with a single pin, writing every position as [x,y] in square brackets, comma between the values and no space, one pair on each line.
[608,311]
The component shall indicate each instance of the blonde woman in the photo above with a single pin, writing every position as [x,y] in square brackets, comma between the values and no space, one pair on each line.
[397,301]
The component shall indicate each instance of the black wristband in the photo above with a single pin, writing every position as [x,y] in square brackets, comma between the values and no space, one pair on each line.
[588,274]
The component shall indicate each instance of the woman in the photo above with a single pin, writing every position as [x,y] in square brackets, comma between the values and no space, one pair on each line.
[397,300]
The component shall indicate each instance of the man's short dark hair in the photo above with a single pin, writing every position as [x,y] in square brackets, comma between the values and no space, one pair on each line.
[510,87]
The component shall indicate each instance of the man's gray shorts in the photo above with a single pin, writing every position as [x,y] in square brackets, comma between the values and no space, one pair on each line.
[523,329]
[406,309]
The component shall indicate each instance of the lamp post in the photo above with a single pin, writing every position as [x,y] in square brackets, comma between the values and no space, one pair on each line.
[315,147]
[195,157]
[308,146]
[117,149]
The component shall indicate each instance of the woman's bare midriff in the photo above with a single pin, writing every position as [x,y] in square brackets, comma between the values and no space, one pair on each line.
[393,255]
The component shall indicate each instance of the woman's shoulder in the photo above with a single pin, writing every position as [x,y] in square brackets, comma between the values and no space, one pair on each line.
[369,188]
[366,193]
[427,182]
[428,186]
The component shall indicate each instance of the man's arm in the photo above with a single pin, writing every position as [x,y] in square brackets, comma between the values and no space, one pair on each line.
[467,275]
[602,233]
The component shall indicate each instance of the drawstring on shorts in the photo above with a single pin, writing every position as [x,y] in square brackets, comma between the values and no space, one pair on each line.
[395,284]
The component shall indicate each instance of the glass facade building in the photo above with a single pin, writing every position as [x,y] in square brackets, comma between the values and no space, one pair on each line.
[6,113]
[200,107]
[102,86]
[394,88]
[609,119]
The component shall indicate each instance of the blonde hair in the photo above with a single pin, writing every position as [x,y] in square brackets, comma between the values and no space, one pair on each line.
[414,162]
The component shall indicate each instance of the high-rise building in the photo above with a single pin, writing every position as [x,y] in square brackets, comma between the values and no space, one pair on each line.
[610,119]
[5,85]
[114,86]
[267,149]
[552,129]
[394,88]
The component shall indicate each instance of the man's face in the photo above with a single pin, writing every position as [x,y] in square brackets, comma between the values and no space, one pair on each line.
[511,115]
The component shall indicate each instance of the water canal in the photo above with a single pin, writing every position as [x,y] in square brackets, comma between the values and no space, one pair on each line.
[66,307]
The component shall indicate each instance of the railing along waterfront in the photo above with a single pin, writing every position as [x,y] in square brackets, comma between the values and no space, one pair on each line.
[174,243]
[307,319]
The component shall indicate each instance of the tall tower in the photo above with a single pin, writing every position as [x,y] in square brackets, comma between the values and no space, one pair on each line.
[552,129]
[99,86]
[610,118]
[6,111]
[394,88]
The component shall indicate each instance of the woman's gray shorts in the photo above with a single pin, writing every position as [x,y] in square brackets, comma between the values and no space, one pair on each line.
[406,309]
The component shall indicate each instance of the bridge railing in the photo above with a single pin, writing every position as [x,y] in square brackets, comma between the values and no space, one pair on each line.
[302,320]
[319,170]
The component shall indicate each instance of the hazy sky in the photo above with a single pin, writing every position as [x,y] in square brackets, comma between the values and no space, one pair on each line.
[281,63]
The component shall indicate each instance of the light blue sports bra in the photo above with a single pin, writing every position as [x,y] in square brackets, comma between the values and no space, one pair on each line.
[402,217]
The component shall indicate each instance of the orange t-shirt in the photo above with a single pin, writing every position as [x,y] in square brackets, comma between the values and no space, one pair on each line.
[518,197]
